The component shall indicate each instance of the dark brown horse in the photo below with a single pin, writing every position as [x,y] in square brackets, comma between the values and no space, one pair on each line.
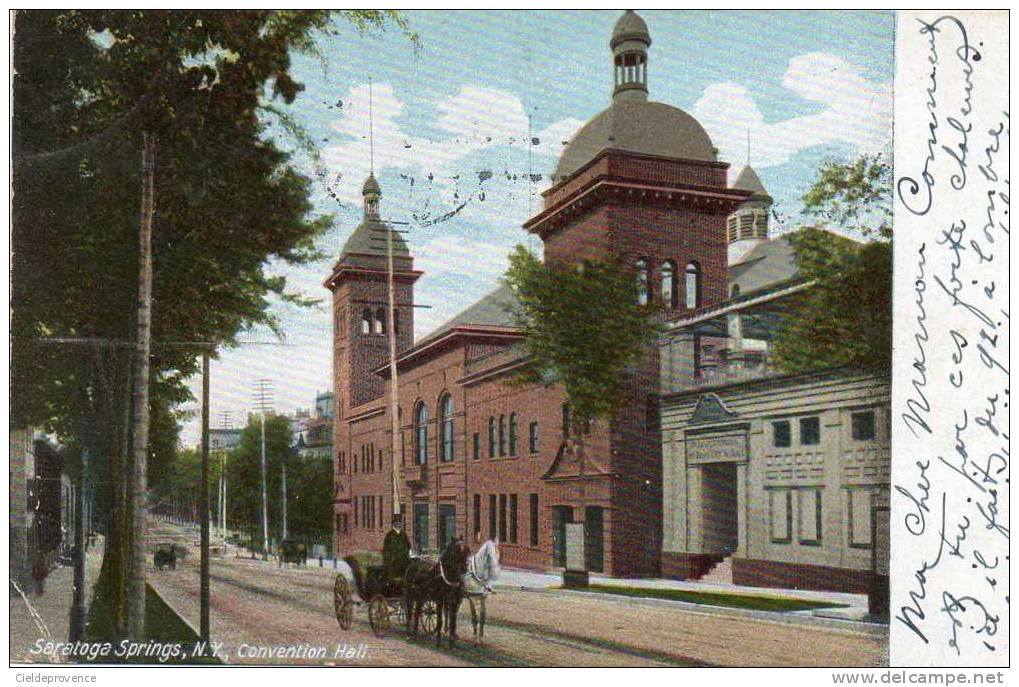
[438,582]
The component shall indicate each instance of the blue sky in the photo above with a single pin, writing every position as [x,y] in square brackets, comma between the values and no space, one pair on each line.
[807,86]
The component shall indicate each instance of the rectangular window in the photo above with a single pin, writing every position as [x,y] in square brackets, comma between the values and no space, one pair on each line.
[491,437]
[810,431]
[781,437]
[477,513]
[491,516]
[513,519]
[532,437]
[534,519]
[382,513]
[476,446]
[781,507]
[357,521]
[810,516]
[863,426]
[502,517]
[859,518]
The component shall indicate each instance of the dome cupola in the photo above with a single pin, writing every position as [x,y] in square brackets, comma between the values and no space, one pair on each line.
[632,123]
[372,192]
[748,226]
[630,43]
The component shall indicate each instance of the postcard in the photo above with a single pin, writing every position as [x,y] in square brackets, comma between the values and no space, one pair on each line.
[509,338]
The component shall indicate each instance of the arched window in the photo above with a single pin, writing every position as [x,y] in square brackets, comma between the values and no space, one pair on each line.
[669,284]
[446,427]
[693,285]
[502,435]
[491,436]
[380,321]
[643,291]
[421,434]
[513,434]
[366,321]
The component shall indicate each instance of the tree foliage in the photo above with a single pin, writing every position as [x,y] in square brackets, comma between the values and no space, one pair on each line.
[855,196]
[87,85]
[583,328]
[845,319]
[309,484]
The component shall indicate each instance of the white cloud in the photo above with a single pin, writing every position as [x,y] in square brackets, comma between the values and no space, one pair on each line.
[855,110]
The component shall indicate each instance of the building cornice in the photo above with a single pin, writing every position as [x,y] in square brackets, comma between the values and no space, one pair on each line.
[428,347]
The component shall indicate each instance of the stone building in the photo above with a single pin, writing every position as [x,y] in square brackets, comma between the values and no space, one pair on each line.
[769,479]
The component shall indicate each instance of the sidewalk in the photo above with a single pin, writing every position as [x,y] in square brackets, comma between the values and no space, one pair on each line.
[855,604]
[48,616]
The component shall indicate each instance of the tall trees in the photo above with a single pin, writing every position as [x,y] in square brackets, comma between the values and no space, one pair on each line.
[87,85]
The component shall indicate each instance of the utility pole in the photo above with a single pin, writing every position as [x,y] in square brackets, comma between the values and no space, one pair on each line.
[394,383]
[140,414]
[203,612]
[225,423]
[283,488]
[263,401]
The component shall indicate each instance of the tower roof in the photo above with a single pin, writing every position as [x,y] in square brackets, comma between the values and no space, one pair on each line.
[632,123]
[630,27]
[749,181]
[637,126]
[369,238]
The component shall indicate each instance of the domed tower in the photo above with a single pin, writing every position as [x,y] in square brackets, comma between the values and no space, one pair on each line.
[747,227]
[640,183]
[359,284]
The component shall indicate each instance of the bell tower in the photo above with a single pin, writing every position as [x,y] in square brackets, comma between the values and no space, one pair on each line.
[359,284]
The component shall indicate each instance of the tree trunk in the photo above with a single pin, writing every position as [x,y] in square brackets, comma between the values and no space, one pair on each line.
[139,476]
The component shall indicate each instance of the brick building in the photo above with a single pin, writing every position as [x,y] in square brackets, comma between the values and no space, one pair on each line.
[481,457]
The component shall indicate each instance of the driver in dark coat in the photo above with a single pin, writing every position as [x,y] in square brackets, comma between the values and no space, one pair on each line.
[396,550]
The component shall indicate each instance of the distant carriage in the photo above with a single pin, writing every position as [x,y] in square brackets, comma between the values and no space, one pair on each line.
[165,556]
[384,598]
[293,552]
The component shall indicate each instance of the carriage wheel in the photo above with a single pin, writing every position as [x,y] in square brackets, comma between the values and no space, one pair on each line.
[378,615]
[429,617]
[400,613]
[341,602]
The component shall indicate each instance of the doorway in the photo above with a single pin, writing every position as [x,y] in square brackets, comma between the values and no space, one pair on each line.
[420,527]
[594,538]
[447,524]
[720,513]
[560,516]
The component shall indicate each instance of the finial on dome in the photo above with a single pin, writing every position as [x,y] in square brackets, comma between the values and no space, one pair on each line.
[371,191]
[629,44]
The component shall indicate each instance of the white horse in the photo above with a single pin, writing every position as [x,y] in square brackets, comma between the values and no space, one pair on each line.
[482,571]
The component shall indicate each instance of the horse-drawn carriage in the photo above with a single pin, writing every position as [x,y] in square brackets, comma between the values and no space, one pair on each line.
[433,589]
[384,598]
[165,556]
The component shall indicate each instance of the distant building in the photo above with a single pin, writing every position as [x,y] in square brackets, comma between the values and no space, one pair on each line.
[224,439]
[313,435]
